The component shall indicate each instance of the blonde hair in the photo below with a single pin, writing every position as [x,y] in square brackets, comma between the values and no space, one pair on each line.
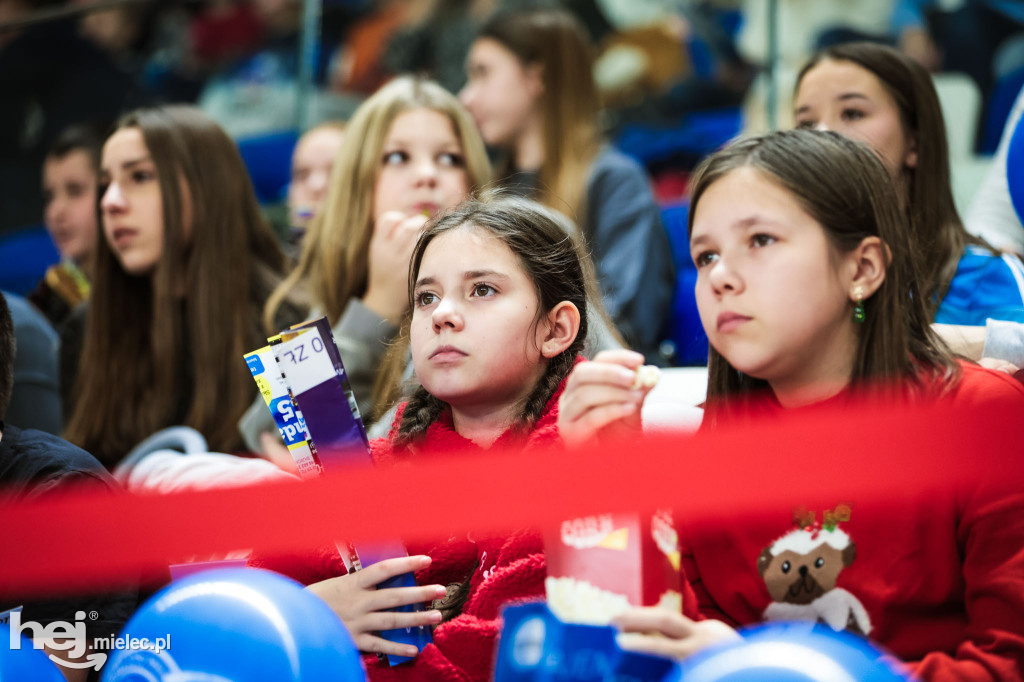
[334,264]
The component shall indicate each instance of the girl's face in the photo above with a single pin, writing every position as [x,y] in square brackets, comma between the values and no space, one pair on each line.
[131,203]
[474,336]
[847,98]
[69,190]
[422,165]
[501,93]
[311,170]
[774,296]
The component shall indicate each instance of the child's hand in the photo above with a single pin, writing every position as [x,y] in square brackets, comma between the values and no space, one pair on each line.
[672,635]
[599,398]
[361,606]
[387,287]
[273,450]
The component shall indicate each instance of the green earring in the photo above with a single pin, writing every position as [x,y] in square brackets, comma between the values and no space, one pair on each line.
[858,306]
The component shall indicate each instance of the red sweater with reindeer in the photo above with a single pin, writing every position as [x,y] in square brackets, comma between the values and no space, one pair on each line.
[501,569]
[935,577]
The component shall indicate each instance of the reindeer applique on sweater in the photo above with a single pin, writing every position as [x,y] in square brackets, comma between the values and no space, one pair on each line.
[801,568]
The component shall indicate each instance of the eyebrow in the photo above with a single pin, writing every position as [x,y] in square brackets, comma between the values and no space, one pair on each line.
[845,97]
[402,143]
[741,224]
[129,164]
[471,274]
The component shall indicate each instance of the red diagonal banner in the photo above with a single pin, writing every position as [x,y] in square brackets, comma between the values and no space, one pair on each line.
[79,542]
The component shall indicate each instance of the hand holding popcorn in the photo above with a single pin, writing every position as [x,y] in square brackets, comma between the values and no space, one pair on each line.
[603,397]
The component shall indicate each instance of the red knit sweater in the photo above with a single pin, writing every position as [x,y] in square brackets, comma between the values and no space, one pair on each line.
[936,577]
[501,569]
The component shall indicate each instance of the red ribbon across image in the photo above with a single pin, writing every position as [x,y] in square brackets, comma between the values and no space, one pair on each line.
[84,542]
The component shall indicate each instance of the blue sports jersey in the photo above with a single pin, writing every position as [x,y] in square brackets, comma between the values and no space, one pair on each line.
[985,286]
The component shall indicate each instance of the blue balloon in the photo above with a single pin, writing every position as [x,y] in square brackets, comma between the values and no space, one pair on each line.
[235,625]
[790,652]
[1015,169]
[19,660]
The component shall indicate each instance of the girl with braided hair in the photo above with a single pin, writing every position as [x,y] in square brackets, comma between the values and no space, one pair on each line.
[498,293]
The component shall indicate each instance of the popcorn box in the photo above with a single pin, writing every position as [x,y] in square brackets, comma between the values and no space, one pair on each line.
[600,566]
[327,433]
[263,366]
[536,646]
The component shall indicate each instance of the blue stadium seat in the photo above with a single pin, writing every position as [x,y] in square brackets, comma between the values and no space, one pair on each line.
[25,254]
[269,160]
[685,330]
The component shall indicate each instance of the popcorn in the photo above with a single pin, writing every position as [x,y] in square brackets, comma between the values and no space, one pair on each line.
[647,376]
[577,601]
[600,566]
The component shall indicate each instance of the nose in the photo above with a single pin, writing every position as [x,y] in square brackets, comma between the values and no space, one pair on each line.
[113,200]
[466,95]
[723,278]
[803,571]
[447,316]
[54,210]
[318,183]
[426,173]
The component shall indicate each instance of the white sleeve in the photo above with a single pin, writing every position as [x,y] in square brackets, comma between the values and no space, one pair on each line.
[168,471]
[1004,341]
[991,215]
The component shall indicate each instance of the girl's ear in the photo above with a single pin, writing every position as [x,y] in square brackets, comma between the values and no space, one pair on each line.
[563,324]
[535,78]
[869,260]
[910,161]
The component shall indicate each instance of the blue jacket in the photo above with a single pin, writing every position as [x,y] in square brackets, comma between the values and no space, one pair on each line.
[985,286]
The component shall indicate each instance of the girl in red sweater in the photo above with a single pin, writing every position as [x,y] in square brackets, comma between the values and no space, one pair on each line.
[806,290]
[499,296]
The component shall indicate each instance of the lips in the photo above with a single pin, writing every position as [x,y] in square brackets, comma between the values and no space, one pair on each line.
[727,322]
[122,235]
[447,354]
[427,208]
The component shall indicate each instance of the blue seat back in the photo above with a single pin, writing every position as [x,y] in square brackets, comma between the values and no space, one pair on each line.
[25,254]
[685,329]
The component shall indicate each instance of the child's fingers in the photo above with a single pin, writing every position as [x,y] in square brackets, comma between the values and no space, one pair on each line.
[388,223]
[600,373]
[599,417]
[392,597]
[576,404]
[394,620]
[389,568]
[657,620]
[414,223]
[653,645]
[372,644]
[621,356]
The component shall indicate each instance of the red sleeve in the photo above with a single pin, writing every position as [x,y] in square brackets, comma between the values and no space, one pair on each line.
[991,536]
[991,533]
[464,647]
[697,603]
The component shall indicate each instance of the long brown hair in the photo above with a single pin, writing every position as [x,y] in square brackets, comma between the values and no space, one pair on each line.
[552,258]
[334,264]
[843,186]
[937,233]
[558,43]
[205,295]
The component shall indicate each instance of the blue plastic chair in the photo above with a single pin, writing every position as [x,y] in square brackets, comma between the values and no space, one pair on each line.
[25,254]
[269,160]
[685,330]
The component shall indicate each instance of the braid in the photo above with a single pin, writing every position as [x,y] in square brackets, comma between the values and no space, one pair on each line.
[420,412]
[553,376]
